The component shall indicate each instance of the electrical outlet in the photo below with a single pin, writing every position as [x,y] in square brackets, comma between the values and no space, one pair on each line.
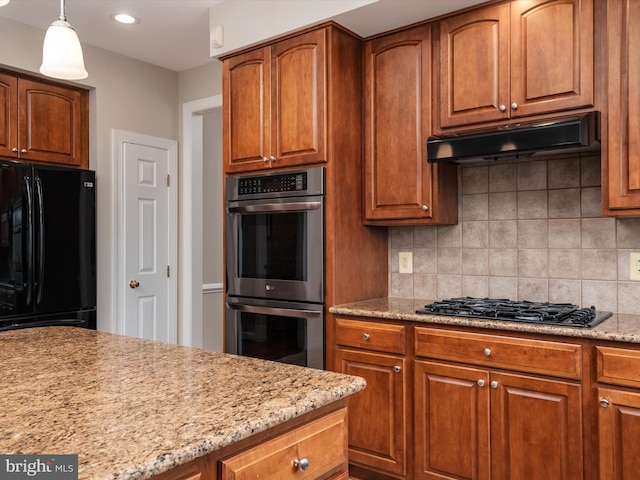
[405,261]
[634,266]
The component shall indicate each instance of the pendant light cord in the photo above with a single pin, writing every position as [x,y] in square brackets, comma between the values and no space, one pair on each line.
[62,16]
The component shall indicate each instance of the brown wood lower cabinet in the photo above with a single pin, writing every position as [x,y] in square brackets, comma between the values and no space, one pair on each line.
[618,374]
[485,416]
[378,415]
[453,404]
[473,423]
[311,447]
[317,450]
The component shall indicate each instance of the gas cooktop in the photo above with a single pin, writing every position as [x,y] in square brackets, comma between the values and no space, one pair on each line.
[563,314]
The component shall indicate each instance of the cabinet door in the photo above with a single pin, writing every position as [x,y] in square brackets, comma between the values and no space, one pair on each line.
[551,56]
[246,109]
[298,91]
[452,422]
[378,414]
[536,428]
[53,123]
[397,123]
[8,115]
[474,67]
[618,434]
[621,161]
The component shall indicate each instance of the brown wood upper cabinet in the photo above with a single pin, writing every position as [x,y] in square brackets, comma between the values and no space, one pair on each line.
[514,59]
[274,104]
[621,148]
[400,186]
[43,122]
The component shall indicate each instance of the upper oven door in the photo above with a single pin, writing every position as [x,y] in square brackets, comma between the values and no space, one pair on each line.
[275,248]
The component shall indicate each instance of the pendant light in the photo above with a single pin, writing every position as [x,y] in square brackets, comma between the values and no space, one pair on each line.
[61,51]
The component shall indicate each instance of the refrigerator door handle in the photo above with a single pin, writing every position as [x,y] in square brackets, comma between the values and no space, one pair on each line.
[29,282]
[41,232]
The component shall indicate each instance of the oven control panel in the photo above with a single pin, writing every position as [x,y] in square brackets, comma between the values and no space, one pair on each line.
[286,182]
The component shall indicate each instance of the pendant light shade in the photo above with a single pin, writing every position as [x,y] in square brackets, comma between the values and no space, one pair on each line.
[61,51]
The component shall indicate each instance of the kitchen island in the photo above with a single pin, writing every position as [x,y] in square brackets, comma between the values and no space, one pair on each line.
[133,409]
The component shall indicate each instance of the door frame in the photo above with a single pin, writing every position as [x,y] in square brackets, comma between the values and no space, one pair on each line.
[191,230]
[119,138]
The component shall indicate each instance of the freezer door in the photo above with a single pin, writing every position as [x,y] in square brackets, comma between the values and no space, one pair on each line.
[16,239]
[65,250]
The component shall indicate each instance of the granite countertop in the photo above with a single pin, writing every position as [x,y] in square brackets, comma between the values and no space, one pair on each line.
[618,327]
[134,408]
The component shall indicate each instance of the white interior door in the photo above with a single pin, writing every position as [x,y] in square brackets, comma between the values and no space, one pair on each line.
[147,247]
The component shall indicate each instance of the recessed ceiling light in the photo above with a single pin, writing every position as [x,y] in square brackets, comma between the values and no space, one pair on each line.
[4,2]
[125,18]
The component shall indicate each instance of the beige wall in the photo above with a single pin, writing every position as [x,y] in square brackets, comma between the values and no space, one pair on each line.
[212,213]
[529,231]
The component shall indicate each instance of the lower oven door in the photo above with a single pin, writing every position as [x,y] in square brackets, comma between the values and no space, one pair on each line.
[285,332]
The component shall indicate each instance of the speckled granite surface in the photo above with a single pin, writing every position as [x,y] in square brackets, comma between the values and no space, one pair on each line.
[620,328]
[133,408]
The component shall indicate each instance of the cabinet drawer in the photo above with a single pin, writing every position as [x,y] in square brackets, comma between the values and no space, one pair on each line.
[322,442]
[619,366]
[382,337]
[535,356]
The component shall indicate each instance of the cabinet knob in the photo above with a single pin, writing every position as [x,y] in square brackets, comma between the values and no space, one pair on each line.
[604,402]
[272,158]
[24,150]
[365,336]
[301,464]
[502,108]
[425,208]
[494,384]
[14,149]
[487,351]
[481,383]
[265,159]
[397,369]
[514,106]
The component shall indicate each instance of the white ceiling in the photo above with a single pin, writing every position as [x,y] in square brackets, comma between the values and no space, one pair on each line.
[174,34]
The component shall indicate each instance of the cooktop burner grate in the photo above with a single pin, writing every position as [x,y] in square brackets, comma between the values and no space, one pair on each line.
[565,314]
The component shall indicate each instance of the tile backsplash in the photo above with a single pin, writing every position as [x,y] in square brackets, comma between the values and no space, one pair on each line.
[529,230]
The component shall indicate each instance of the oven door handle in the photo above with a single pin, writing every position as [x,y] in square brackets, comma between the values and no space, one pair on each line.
[282,312]
[276,207]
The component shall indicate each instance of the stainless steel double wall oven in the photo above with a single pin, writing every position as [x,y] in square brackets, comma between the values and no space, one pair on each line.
[275,266]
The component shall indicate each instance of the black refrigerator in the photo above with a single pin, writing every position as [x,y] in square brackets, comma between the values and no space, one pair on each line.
[47,246]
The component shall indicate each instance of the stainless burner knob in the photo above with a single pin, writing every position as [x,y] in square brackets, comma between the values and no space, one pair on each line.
[487,351]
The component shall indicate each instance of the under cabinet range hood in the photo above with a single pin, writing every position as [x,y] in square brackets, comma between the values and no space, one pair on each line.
[518,140]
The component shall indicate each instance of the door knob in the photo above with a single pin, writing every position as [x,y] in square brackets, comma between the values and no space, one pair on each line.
[134,283]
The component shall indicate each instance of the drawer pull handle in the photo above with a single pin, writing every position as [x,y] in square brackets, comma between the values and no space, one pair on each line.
[487,351]
[366,336]
[494,384]
[481,383]
[397,369]
[302,464]
[604,402]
